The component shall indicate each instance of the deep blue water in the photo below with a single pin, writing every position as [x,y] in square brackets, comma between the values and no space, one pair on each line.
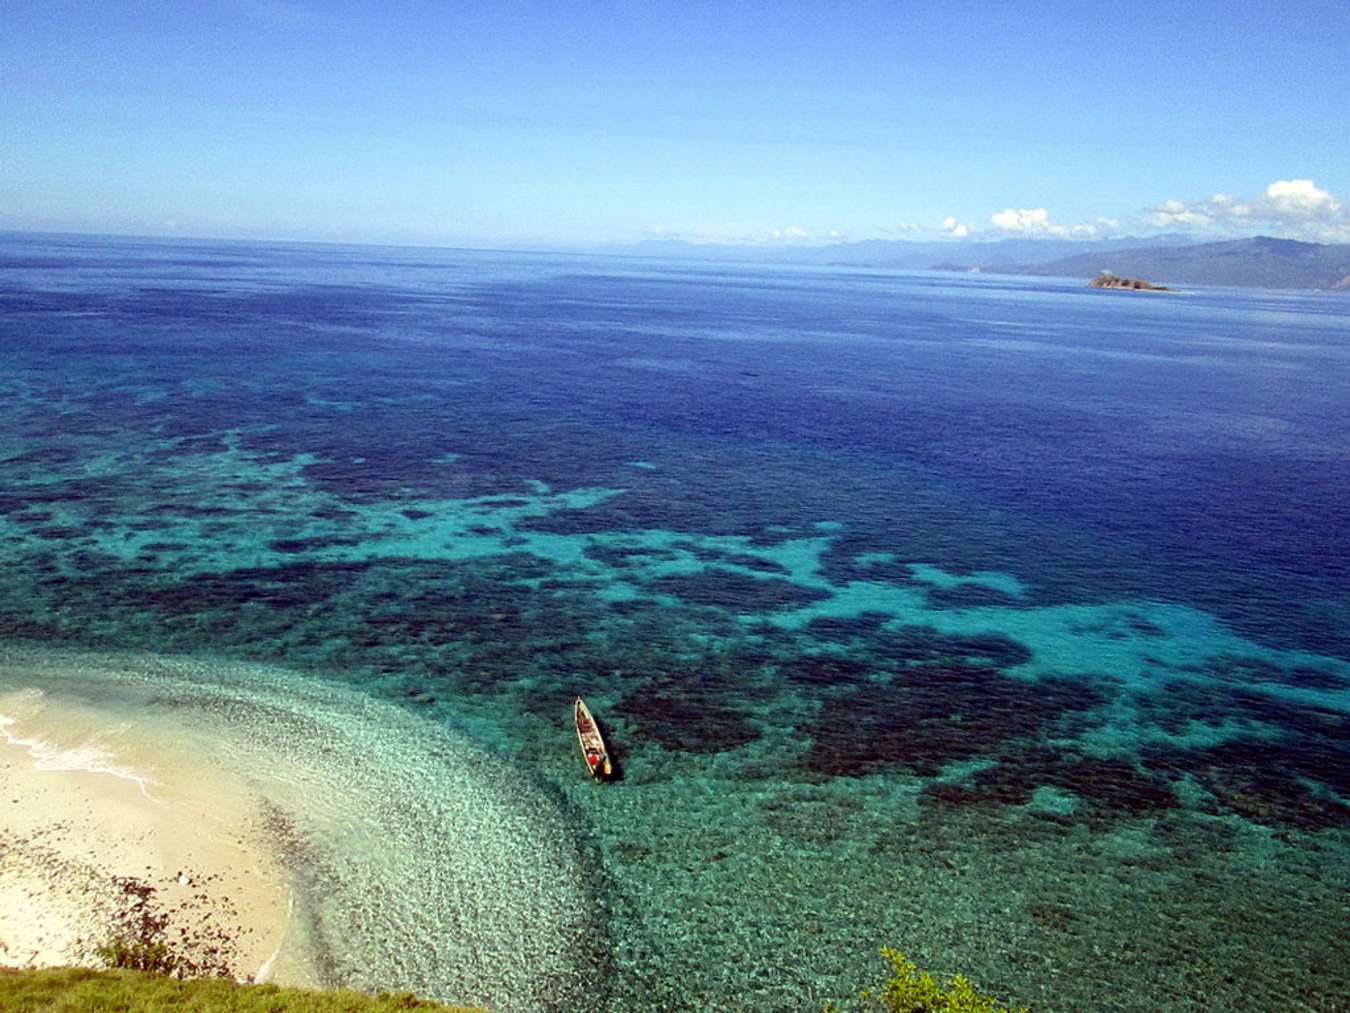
[878,580]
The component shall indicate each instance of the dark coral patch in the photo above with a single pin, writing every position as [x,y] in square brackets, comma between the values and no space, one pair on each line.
[296,585]
[622,556]
[615,557]
[18,499]
[293,546]
[1106,786]
[593,521]
[45,457]
[736,592]
[1294,769]
[923,644]
[192,510]
[1287,782]
[840,563]
[1143,626]
[961,596]
[13,628]
[419,695]
[332,514]
[826,670]
[843,629]
[60,532]
[755,563]
[1181,703]
[1304,741]
[930,715]
[1246,671]
[1315,678]
[741,559]
[1059,917]
[688,717]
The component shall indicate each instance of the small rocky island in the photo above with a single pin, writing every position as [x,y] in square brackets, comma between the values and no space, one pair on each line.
[1108,280]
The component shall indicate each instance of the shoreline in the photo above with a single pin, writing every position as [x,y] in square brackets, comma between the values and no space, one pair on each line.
[414,859]
[96,812]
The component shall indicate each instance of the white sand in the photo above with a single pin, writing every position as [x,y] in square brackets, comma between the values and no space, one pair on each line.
[83,801]
[416,860]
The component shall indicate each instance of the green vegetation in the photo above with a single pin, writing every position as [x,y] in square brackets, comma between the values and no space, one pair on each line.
[81,990]
[910,990]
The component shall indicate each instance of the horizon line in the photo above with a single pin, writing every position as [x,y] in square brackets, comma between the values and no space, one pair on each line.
[614,247]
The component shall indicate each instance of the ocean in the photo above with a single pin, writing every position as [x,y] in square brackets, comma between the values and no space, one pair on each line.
[1001,621]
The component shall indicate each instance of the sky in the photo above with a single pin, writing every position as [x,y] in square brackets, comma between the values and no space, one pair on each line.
[589,122]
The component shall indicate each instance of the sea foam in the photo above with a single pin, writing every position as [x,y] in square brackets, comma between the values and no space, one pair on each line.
[90,755]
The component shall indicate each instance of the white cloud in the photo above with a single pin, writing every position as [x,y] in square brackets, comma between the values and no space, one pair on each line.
[1291,208]
[1030,222]
[684,235]
[1036,222]
[1023,220]
[779,236]
[1175,214]
[1300,195]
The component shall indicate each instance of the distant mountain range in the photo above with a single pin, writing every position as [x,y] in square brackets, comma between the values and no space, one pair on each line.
[1261,263]
[898,254]
[1166,259]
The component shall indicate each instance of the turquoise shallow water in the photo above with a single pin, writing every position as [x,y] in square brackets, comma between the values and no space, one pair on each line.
[1001,622]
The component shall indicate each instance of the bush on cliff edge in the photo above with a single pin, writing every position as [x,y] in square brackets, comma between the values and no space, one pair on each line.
[910,990]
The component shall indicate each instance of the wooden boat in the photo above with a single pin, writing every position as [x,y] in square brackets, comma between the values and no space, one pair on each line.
[592,743]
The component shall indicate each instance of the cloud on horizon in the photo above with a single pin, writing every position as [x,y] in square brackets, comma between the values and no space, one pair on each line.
[1036,222]
[1289,208]
[786,235]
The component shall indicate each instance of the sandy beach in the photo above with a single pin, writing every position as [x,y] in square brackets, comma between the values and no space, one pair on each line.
[87,801]
[336,840]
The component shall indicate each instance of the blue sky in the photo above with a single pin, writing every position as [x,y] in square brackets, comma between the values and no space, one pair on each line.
[553,124]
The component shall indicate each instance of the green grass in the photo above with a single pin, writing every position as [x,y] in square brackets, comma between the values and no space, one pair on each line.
[81,990]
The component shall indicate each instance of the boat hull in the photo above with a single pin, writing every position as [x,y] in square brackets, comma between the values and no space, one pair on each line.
[593,749]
